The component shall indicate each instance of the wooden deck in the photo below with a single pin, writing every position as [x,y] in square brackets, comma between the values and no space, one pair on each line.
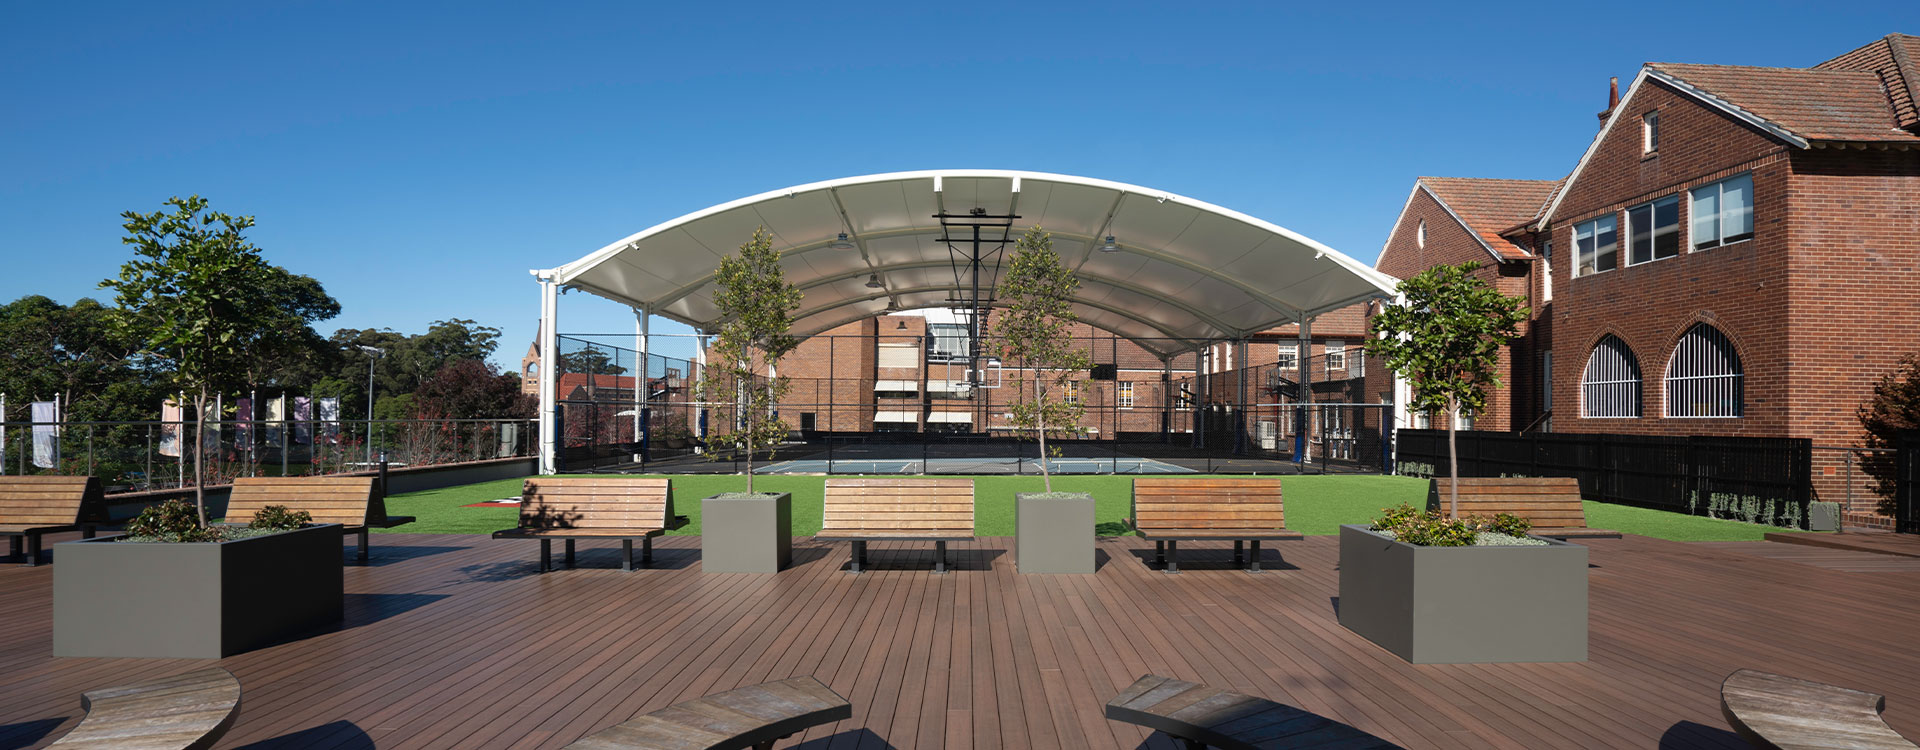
[455,642]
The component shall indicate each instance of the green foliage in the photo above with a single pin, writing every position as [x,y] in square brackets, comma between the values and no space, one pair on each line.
[278,518]
[756,307]
[1034,333]
[1893,408]
[1445,338]
[1396,516]
[202,303]
[1509,524]
[171,521]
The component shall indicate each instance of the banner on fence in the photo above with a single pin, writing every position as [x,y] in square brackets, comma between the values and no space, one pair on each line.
[276,418]
[46,434]
[302,420]
[170,428]
[329,414]
[210,428]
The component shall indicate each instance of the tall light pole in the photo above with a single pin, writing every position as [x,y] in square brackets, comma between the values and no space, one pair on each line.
[373,355]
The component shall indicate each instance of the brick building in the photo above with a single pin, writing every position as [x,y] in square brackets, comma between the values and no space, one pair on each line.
[1736,253]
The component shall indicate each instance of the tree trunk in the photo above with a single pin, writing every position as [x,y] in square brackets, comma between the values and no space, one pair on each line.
[200,455]
[1453,460]
[1040,422]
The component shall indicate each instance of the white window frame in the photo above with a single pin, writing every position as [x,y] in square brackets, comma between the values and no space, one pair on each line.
[1420,235]
[1720,218]
[1653,233]
[1072,394]
[1636,384]
[1287,357]
[1124,394]
[1336,354]
[1650,132]
[1703,383]
[1592,227]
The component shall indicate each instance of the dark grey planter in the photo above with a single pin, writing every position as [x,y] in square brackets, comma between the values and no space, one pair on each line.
[1053,534]
[1458,605]
[203,600]
[1823,516]
[751,534]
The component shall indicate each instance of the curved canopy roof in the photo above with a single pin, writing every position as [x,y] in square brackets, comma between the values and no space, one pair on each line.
[1186,272]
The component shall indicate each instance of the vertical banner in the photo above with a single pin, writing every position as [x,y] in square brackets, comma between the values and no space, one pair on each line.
[276,415]
[46,433]
[243,424]
[329,415]
[210,430]
[302,420]
[170,428]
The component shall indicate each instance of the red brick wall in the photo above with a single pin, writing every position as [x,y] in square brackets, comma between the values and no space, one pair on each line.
[1742,289]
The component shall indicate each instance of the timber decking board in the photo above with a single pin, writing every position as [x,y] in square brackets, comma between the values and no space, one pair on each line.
[476,651]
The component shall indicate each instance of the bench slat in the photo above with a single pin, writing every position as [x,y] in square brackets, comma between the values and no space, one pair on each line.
[191,710]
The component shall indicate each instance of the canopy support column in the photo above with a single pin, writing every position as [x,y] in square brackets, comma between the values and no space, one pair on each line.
[1240,397]
[1302,418]
[641,387]
[699,387]
[1166,399]
[549,383]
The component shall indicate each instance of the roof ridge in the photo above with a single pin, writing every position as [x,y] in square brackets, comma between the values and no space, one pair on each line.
[1826,71]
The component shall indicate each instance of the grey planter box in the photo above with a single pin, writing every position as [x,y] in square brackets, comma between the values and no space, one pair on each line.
[204,600]
[1823,516]
[751,534]
[1053,535]
[1457,605]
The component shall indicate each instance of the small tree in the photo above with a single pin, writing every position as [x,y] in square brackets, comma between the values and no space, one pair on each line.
[1893,408]
[1033,333]
[202,303]
[1445,338]
[756,310]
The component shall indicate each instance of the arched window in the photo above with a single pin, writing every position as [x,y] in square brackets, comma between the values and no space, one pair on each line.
[1420,237]
[1704,377]
[1610,387]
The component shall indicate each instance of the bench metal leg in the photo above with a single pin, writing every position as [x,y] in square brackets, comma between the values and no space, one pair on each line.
[1188,744]
[646,551]
[89,531]
[1159,552]
[569,553]
[1173,556]
[13,546]
[1253,565]
[859,557]
[626,554]
[1239,553]
[546,555]
[939,557]
[362,556]
[33,550]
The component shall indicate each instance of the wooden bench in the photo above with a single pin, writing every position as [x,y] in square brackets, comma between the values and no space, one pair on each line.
[1201,716]
[31,506]
[184,712]
[754,716]
[1169,510]
[570,508]
[353,502]
[1551,503]
[1783,713]
[898,509]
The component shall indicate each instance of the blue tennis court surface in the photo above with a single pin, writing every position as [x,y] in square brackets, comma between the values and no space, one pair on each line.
[1004,465]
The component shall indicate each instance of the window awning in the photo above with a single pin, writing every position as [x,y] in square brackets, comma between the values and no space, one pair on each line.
[1181,272]
[895,416]
[896,385]
[950,417]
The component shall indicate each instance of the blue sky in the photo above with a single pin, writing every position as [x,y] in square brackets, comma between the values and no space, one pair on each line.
[419,158]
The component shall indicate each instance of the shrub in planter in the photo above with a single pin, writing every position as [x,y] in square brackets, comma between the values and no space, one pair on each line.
[1434,590]
[174,588]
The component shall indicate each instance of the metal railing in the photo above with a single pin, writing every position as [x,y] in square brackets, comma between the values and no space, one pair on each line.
[153,455]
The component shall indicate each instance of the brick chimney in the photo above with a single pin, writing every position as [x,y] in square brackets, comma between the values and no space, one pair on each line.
[1613,99]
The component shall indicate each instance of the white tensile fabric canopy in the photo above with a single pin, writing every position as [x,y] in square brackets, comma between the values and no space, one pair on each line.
[1183,272]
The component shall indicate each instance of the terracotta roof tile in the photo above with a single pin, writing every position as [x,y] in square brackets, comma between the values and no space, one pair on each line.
[1490,206]
[1815,104]
[1895,58]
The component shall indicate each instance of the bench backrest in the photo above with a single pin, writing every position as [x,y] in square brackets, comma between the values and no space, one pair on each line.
[903,503]
[349,501]
[1784,711]
[1549,502]
[51,501]
[557,502]
[1208,503]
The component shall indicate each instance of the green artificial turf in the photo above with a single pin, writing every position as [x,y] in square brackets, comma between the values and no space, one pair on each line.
[1316,505]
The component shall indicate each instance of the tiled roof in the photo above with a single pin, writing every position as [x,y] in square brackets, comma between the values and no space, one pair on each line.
[1491,206]
[1895,59]
[1814,104]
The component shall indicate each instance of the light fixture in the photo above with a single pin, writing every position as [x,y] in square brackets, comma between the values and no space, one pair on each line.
[892,306]
[842,243]
[1109,247]
[873,281]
